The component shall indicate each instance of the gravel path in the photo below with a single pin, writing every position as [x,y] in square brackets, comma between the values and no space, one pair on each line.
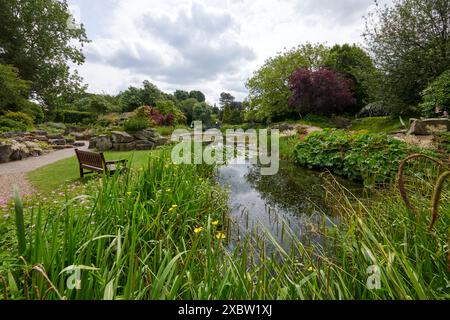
[14,173]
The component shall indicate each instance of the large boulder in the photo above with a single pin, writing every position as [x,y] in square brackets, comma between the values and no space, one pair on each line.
[55,137]
[57,142]
[78,144]
[144,145]
[5,152]
[19,151]
[103,143]
[39,133]
[146,134]
[40,138]
[124,146]
[160,141]
[84,135]
[429,126]
[92,143]
[121,137]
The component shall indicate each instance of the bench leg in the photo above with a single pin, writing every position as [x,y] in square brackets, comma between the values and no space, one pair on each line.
[81,172]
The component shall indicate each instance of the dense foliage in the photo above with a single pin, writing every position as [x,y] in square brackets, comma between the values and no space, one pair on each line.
[321,92]
[372,158]
[36,38]
[268,87]
[411,46]
[437,95]
[355,64]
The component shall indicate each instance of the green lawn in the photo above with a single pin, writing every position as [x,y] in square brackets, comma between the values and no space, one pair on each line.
[377,124]
[51,177]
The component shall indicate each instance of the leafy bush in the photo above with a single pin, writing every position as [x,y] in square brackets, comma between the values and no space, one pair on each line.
[136,124]
[71,116]
[437,95]
[35,111]
[154,116]
[7,124]
[322,92]
[371,158]
[21,117]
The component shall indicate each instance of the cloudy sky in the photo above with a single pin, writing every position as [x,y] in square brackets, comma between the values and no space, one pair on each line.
[207,45]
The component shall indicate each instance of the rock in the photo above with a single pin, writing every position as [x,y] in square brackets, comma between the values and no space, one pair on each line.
[161,141]
[69,141]
[103,143]
[31,145]
[144,145]
[124,146]
[424,127]
[85,135]
[92,143]
[58,142]
[19,151]
[40,138]
[39,133]
[121,137]
[55,137]
[146,134]
[5,152]
[78,144]
[36,152]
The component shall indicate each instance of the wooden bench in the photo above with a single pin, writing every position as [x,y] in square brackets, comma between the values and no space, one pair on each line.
[95,162]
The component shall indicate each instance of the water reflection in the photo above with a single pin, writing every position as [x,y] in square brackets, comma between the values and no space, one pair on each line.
[293,198]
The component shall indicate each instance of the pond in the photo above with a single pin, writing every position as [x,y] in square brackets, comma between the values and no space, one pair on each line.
[294,198]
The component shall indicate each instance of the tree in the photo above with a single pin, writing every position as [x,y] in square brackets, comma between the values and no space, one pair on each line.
[36,38]
[410,42]
[198,95]
[14,91]
[226,99]
[150,94]
[187,106]
[202,112]
[321,92]
[354,63]
[130,99]
[181,95]
[268,87]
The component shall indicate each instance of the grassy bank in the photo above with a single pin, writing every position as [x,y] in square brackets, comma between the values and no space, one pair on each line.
[65,172]
[161,232]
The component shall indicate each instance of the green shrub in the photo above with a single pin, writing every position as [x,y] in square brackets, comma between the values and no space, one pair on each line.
[71,116]
[371,158]
[437,95]
[136,124]
[7,124]
[24,118]
[35,111]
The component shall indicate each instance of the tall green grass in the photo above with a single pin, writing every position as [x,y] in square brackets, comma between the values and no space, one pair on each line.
[163,233]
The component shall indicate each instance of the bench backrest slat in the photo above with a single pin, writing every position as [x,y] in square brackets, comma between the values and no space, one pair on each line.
[90,158]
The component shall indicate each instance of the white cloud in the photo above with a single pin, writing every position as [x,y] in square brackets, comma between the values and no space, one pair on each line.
[208,45]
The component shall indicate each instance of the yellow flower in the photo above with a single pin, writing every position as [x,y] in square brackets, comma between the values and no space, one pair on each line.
[169,190]
[128,193]
[170,210]
[310,269]
[221,235]
[198,230]
[215,223]
[166,166]
[174,206]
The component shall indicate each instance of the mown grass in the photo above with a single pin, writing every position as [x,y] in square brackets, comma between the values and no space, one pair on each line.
[55,175]
[377,124]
